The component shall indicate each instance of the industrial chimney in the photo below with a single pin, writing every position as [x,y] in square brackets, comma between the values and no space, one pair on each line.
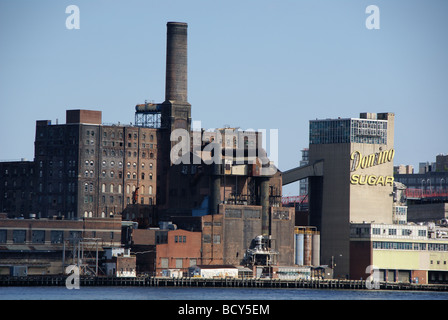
[176,62]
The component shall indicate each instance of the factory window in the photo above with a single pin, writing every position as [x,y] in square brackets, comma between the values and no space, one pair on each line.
[3,236]
[206,238]
[56,236]
[111,188]
[103,187]
[38,236]
[143,175]
[164,262]
[179,262]
[151,138]
[119,188]
[392,232]
[18,236]
[406,232]
[134,175]
[150,190]
[193,262]
[217,239]
[422,233]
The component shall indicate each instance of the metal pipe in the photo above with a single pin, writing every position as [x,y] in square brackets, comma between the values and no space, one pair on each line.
[215,194]
[264,202]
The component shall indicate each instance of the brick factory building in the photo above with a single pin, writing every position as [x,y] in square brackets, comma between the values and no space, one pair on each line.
[85,170]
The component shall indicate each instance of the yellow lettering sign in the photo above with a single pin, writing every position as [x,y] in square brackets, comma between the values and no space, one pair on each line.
[371,160]
[371,180]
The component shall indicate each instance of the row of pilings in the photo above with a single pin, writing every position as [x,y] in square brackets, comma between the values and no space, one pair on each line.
[43,281]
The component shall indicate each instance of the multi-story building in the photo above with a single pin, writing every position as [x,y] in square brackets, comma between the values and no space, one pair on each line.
[357,181]
[17,187]
[47,246]
[86,169]
[404,253]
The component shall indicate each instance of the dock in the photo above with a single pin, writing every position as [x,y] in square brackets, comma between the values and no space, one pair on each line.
[11,281]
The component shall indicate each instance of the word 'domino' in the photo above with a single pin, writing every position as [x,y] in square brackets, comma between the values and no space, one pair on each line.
[249,147]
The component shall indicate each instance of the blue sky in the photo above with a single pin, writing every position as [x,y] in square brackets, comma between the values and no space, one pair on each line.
[251,64]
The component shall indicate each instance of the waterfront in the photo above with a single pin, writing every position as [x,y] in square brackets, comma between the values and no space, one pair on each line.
[169,293]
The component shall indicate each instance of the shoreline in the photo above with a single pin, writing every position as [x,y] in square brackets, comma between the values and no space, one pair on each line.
[29,281]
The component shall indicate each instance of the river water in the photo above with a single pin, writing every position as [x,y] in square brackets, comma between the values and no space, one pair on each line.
[187,293]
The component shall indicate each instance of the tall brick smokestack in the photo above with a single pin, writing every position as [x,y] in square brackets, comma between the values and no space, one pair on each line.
[176,62]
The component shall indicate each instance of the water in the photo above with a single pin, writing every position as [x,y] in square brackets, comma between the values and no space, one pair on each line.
[185,293]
